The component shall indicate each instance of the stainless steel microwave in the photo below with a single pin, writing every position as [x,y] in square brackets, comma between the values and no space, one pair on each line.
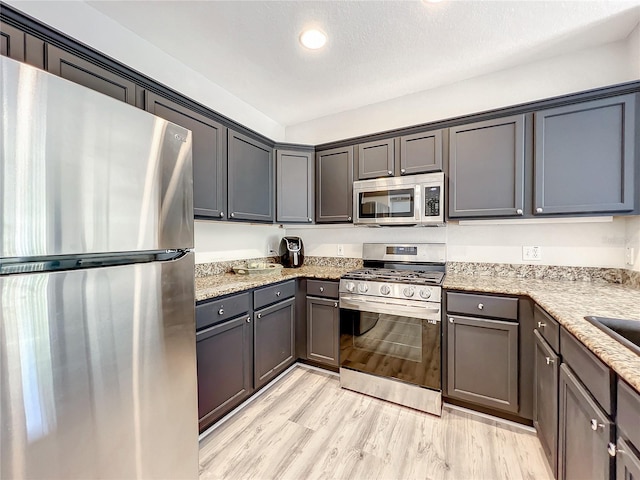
[410,200]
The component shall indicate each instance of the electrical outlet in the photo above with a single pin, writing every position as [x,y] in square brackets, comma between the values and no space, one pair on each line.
[531,253]
[630,255]
[340,250]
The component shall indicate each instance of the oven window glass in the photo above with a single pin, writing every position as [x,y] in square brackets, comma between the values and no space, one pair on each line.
[394,346]
[387,203]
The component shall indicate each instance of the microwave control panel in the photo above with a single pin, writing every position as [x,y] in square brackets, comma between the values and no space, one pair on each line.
[432,201]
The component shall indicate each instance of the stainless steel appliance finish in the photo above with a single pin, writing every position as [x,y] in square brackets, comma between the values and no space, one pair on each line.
[410,200]
[97,328]
[390,317]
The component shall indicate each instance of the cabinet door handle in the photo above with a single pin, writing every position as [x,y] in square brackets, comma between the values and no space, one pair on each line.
[549,360]
[538,210]
[541,325]
[232,215]
[403,170]
[322,289]
[390,172]
[348,219]
[221,214]
[259,315]
[480,306]
[613,450]
[221,311]
[595,425]
[248,319]
[335,304]
[450,319]
[309,219]
[519,211]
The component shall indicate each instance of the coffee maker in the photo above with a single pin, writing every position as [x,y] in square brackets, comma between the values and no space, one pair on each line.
[291,252]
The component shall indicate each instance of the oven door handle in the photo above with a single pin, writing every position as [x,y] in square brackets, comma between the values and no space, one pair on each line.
[394,308]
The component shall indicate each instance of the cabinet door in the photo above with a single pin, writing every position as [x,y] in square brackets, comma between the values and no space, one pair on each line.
[225,364]
[12,42]
[323,330]
[376,159]
[584,432]
[334,185]
[486,168]
[209,154]
[545,399]
[250,183]
[294,186]
[584,157]
[75,69]
[274,336]
[421,153]
[482,362]
[627,462]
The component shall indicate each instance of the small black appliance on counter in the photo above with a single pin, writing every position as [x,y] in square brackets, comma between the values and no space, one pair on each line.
[291,252]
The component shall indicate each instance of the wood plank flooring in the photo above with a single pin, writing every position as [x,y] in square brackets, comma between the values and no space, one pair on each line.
[306,427]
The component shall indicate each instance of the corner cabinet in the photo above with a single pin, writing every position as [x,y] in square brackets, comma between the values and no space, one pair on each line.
[294,186]
[486,168]
[585,157]
[209,154]
[334,185]
[250,180]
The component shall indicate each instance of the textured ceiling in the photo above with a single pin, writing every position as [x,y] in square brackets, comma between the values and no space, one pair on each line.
[376,51]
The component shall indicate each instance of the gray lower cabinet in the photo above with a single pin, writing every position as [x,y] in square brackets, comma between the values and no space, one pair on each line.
[250,183]
[627,462]
[294,186]
[482,362]
[376,159]
[225,367]
[585,431]
[274,340]
[323,330]
[486,168]
[334,185]
[545,399]
[628,428]
[209,154]
[77,70]
[421,152]
[584,157]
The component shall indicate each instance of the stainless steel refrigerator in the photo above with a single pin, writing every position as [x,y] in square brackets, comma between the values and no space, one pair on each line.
[97,330]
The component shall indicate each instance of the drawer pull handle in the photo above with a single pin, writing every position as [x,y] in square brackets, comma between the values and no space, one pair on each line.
[335,305]
[259,315]
[595,425]
[541,325]
[322,289]
[221,311]
[480,306]
[248,319]
[277,294]
[613,450]
[549,360]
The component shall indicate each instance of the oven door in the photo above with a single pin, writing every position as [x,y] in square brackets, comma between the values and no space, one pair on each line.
[398,339]
[387,205]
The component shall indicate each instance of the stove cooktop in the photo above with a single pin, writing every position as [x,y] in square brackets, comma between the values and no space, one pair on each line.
[413,277]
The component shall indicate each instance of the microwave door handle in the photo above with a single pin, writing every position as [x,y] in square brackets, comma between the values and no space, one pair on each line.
[416,203]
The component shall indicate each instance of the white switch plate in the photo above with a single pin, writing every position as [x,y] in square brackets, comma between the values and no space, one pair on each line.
[340,250]
[630,255]
[532,253]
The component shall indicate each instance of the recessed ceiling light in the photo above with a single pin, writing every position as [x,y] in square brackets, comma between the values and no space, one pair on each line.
[313,39]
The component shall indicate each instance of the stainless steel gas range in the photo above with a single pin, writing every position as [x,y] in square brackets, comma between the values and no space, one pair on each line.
[390,324]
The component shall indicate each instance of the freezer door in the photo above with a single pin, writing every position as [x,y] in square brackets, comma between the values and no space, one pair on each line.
[98,373]
[81,173]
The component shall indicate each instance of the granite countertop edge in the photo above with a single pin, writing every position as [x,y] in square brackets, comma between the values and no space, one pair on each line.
[567,301]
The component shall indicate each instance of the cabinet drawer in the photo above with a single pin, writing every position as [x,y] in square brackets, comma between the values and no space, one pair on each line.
[628,419]
[548,328]
[485,305]
[215,311]
[322,288]
[595,375]
[274,293]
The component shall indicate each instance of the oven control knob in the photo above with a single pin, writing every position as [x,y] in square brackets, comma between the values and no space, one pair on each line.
[385,289]
[425,293]
[409,291]
[363,287]
[350,286]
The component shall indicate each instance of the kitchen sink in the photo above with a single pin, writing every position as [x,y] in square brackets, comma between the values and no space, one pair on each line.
[625,331]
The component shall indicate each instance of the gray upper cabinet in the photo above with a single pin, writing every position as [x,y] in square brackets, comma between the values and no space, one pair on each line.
[486,168]
[250,179]
[584,157]
[294,186]
[90,75]
[334,185]
[376,159]
[421,152]
[11,42]
[209,154]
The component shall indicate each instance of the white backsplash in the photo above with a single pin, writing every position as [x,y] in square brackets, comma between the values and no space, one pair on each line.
[633,241]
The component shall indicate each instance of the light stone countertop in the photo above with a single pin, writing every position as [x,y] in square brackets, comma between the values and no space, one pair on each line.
[567,301]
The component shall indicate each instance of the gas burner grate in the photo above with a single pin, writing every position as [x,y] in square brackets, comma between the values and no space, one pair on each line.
[415,277]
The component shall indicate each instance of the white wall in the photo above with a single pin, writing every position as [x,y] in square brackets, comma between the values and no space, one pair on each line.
[633,46]
[590,68]
[89,26]
[218,241]
[568,244]
[633,241]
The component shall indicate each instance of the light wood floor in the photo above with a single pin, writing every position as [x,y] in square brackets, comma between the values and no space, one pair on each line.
[307,427]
